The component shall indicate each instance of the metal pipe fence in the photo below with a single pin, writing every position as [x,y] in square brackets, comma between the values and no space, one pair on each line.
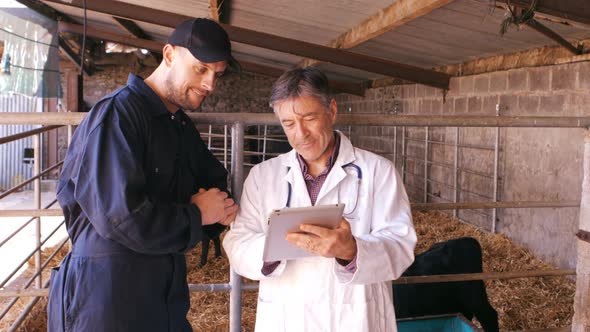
[36,179]
[24,261]
[30,281]
[24,225]
[250,119]
[239,123]
[461,146]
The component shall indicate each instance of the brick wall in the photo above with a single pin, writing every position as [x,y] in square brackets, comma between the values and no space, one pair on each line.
[534,163]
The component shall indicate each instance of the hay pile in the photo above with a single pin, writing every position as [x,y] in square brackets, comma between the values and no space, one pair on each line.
[210,310]
[530,303]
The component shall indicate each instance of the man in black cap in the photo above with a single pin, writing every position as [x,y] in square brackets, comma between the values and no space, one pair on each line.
[139,188]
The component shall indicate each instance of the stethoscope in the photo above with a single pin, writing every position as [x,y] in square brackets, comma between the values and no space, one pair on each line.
[359,177]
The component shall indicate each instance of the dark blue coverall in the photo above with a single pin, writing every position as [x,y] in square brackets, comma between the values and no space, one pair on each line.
[125,192]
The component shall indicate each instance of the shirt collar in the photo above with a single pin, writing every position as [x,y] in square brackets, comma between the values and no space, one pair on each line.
[329,163]
[137,84]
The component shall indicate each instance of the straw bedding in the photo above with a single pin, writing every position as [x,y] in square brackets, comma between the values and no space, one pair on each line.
[529,303]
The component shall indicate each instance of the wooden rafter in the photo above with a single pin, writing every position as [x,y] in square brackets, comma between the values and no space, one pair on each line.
[137,31]
[75,58]
[537,26]
[220,10]
[336,85]
[132,27]
[214,10]
[156,47]
[151,45]
[389,18]
[274,42]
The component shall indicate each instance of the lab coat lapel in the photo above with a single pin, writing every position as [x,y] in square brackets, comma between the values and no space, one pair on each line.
[294,176]
[337,173]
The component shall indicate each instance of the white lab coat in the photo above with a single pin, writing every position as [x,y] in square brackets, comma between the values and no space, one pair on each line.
[317,294]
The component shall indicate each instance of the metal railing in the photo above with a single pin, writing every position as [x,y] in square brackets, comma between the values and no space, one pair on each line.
[238,123]
[36,252]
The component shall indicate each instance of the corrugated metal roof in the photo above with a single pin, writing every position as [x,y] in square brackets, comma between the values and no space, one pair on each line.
[189,8]
[457,32]
[309,20]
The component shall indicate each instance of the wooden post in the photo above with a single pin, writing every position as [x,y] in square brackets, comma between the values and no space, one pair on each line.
[581,320]
[74,92]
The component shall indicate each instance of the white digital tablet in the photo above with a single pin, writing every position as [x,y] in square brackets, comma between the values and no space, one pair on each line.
[282,221]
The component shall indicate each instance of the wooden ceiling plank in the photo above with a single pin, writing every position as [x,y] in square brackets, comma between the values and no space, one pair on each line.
[147,44]
[387,19]
[156,47]
[399,13]
[277,43]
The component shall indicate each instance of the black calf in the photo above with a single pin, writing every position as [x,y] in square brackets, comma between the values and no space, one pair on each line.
[467,297]
[205,248]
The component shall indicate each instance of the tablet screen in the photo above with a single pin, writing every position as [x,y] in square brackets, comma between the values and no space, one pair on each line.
[282,221]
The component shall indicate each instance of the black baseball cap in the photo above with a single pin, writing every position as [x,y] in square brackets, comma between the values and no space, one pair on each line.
[206,40]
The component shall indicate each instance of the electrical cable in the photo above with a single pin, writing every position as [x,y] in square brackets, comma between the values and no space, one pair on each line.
[83,50]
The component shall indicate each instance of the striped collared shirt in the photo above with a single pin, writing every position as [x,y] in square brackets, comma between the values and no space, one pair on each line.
[314,185]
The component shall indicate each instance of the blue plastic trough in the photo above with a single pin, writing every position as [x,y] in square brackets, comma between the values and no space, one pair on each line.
[447,323]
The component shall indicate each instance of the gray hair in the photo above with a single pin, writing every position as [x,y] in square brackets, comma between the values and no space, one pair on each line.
[301,82]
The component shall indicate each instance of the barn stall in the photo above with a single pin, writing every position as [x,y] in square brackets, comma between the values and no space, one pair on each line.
[487,127]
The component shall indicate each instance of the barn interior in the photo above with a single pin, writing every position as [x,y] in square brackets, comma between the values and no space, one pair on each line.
[482,105]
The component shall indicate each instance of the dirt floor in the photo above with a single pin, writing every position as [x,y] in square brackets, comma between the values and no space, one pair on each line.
[531,303]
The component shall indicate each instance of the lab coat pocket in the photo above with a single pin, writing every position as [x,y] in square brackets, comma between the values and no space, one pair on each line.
[269,317]
[57,301]
[359,316]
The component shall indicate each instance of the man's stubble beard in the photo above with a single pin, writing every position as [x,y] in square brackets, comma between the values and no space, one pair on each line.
[177,98]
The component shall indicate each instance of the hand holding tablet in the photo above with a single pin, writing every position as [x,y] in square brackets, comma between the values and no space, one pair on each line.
[288,220]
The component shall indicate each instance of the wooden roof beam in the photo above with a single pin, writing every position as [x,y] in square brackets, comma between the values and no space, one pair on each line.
[75,58]
[537,26]
[132,28]
[46,10]
[214,7]
[274,42]
[389,18]
[156,47]
[220,10]
[357,89]
[137,31]
[150,45]
[571,10]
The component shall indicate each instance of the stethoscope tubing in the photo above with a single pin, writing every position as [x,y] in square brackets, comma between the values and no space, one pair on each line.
[359,175]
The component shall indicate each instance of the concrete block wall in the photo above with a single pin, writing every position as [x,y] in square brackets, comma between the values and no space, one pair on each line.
[534,163]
